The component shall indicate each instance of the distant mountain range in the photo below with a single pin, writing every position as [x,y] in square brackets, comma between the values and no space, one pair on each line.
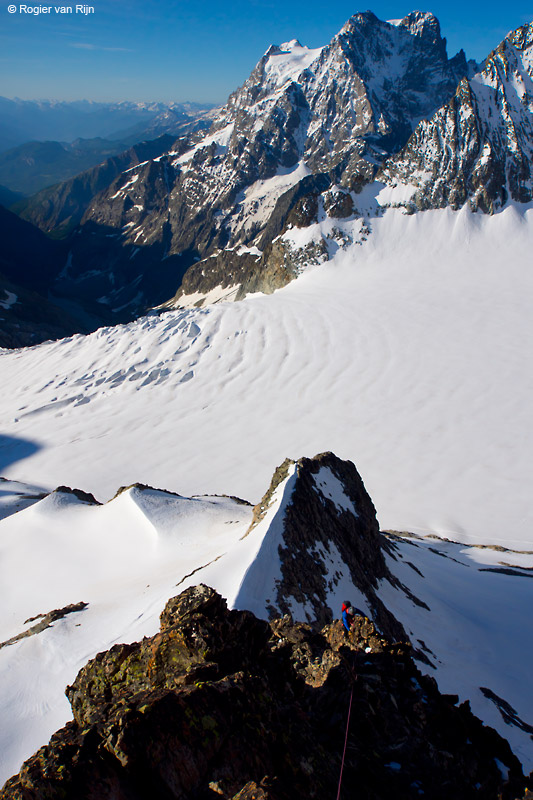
[41,161]
[64,121]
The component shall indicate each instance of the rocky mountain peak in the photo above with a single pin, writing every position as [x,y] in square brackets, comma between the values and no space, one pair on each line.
[222,704]
[477,148]
[211,217]
[318,521]
[522,37]
[406,38]
[425,25]
[323,113]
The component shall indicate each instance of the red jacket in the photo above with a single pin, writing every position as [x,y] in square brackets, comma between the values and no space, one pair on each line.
[347,619]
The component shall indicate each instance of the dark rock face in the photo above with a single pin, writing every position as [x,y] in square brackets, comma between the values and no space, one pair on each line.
[8,198]
[328,525]
[478,147]
[84,497]
[327,532]
[222,704]
[338,204]
[29,264]
[32,318]
[28,258]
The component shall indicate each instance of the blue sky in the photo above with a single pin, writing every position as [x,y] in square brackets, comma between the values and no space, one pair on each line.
[176,51]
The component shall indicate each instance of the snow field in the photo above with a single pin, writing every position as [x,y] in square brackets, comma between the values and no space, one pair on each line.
[124,559]
[410,355]
[477,629]
[287,65]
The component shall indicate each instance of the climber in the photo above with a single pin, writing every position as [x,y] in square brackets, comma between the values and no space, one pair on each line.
[347,615]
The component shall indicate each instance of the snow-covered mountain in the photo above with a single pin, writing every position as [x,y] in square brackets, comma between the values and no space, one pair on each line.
[293,146]
[404,347]
[304,121]
[234,211]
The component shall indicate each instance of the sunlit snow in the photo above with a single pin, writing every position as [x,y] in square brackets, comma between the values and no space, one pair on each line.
[409,354]
[287,64]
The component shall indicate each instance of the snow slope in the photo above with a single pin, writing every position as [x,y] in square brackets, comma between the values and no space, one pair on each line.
[124,559]
[476,630]
[409,354]
[15,496]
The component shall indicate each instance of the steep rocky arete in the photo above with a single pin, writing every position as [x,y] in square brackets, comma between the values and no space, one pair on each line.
[327,529]
[221,704]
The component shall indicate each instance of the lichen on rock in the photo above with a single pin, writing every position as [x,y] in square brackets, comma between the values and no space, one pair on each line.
[220,703]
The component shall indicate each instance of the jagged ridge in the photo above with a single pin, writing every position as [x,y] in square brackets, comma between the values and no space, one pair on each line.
[479,147]
[220,703]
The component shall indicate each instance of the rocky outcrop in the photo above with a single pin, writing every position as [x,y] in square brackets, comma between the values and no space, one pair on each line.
[278,259]
[79,494]
[222,704]
[327,531]
[329,518]
[45,621]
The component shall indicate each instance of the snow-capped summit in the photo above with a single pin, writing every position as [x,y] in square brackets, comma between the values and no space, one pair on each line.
[288,46]
[306,118]
[285,63]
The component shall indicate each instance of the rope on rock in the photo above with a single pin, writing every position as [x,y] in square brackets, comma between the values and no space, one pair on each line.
[345,744]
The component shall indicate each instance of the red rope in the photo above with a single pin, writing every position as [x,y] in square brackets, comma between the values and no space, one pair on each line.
[345,743]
